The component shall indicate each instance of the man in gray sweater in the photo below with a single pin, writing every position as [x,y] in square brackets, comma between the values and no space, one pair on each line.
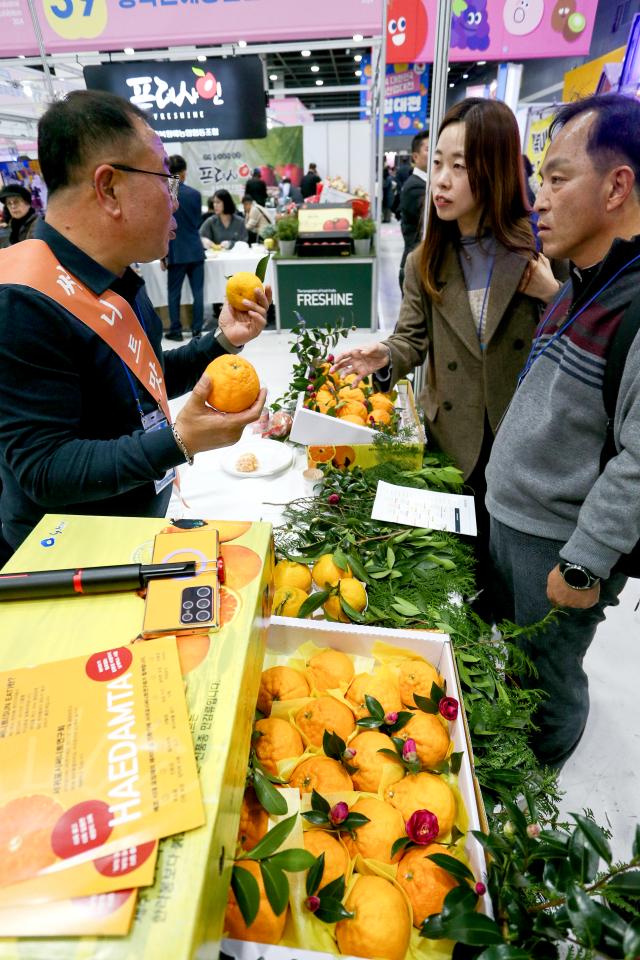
[559,525]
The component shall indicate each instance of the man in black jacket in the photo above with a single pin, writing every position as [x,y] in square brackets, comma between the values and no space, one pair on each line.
[79,432]
[309,181]
[412,203]
[256,187]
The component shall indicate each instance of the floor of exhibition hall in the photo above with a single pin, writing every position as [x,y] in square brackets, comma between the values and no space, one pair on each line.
[604,773]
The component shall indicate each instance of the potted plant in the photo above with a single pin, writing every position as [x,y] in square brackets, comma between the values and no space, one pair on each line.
[362,231]
[267,235]
[287,233]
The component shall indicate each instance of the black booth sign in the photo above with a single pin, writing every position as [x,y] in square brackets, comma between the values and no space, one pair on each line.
[217,99]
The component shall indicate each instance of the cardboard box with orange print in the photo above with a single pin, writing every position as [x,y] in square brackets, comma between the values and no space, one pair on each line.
[346,445]
[180,915]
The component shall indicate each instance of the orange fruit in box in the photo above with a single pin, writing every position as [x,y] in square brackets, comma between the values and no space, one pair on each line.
[322,774]
[424,882]
[350,418]
[254,820]
[381,401]
[424,791]
[324,713]
[329,669]
[325,404]
[370,764]
[382,688]
[352,408]
[381,926]
[417,676]
[287,601]
[25,836]
[353,592]
[325,571]
[280,683]
[431,737]
[351,393]
[288,573]
[379,417]
[336,858]
[234,383]
[267,927]
[375,839]
[276,740]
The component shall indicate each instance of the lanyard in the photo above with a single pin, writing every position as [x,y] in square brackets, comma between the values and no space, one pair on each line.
[134,389]
[533,354]
[485,302]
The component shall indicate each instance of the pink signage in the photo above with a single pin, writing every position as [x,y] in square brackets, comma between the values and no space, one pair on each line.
[491,29]
[76,25]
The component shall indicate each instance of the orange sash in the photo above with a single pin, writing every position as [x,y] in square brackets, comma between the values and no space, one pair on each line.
[33,264]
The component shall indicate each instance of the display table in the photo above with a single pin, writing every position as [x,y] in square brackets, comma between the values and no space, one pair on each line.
[325,290]
[218,267]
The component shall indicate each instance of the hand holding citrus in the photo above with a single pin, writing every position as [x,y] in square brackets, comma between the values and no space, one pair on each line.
[242,286]
[234,383]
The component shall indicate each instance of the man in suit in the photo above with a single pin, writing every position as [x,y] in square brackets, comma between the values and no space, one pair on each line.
[309,181]
[256,187]
[412,198]
[186,254]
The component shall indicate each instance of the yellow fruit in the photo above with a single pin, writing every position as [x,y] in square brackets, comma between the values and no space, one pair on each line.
[351,418]
[425,884]
[370,764]
[267,927]
[322,774]
[280,683]
[254,820]
[325,571]
[424,791]
[242,286]
[430,735]
[416,676]
[352,408]
[355,594]
[324,713]
[325,403]
[351,393]
[381,401]
[377,685]
[375,839]
[288,573]
[379,417]
[336,858]
[287,601]
[234,383]
[329,669]
[381,926]
[276,740]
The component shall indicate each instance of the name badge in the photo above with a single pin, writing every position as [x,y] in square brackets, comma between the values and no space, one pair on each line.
[156,420]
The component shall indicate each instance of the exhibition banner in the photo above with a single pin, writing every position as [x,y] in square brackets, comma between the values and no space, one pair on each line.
[537,138]
[405,96]
[75,25]
[324,292]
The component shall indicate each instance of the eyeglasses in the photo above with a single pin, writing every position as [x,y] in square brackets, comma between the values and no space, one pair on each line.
[173,182]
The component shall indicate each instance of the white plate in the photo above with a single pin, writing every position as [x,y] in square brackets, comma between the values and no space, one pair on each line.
[273,458]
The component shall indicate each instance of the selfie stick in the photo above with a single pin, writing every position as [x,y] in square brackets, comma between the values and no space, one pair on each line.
[39,584]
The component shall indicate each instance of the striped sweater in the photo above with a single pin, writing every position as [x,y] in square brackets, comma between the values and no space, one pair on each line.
[543,477]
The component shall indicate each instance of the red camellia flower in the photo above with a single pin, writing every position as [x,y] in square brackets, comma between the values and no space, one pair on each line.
[330,358]
[422,827]
[409,750]
[310,388]
[391,717]
[349,754]
[480,888]
[333,498]
[339,813]
[312,903]
[448,707]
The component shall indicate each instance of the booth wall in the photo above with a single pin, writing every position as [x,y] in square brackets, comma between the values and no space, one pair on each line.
[340,148]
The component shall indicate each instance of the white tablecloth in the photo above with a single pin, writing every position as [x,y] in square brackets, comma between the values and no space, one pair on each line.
[217,268]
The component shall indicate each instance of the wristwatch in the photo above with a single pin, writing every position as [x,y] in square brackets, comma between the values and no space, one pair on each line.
[577,577]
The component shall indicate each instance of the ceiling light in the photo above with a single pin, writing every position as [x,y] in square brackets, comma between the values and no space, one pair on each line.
[273,76]
[448,69]
[358,57]
[242,43]
[319,83]
[129,51]
[358,73]
[481,63]
[315,68]
[465,76]
[452,84]
[22,56]
[305,53]
[358,37]
[201,58]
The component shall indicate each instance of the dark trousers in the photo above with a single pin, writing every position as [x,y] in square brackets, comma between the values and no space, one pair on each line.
[176,273]
[477,484]
[521,564]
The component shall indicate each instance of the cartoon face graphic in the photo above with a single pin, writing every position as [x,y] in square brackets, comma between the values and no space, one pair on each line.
[522,16]
[566,20]
[470,26]
[406,30]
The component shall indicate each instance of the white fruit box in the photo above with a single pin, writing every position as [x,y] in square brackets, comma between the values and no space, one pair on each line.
[285,636]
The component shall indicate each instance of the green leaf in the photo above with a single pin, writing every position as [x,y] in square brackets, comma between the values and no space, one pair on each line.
[333,745]
[455,762]
[268,796]
[316,817]
[313,601]
[391,558]
[472,928]
[276,886]
[635,850]
[318,802]
[272,840]
[424,704]
[353,614]
[353,821]
[293,860]
[198,72]
[583,858]
[403,719]
[374,707]
[340,559]
[261,269]
[314,876]
[405,608]
[458,899]
[454,867]
[399,844]
[631,941]
[595,836]
[369,723]
[357,567]
[333,890]
[504,952]
[627,884]
[247,893]
[330,911]
[584,920]
[393,754]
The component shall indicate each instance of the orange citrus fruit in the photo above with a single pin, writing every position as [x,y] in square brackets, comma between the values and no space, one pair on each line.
[381,926]
[336,858]
[280,683]
[287,601]
[424,791]
[351,418]
[276,740]
[267,927]
[375,839]
[430,735]
[324,713]
[381,401]
[321,454]
[288,573]
[329,670]
[230,604]
[416,676]
[242,286]
[254,820]
[325,402]
[370,764]
[192,649]
[352,408]
[25,837]
[379,416]
[355,594]
[229,529]
[351,393]
[325,571]
[345,456]
[242,565]
[374,685]
[322,774]
[234,383]
[424,882]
